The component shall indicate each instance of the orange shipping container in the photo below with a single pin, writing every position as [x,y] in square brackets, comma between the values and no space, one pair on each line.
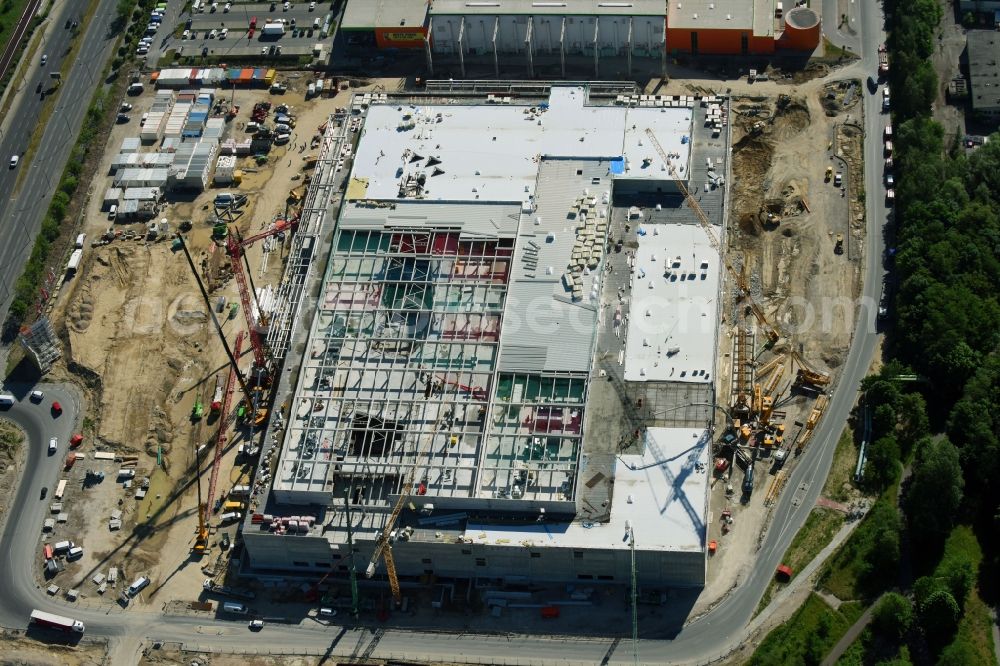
[246,75]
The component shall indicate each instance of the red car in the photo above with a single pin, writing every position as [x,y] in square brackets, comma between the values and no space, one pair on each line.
[75,441]
[56,408]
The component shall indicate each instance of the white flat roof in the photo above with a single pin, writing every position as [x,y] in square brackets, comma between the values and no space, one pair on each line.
[491,152]
[532,7]
[661,493]
[673,316]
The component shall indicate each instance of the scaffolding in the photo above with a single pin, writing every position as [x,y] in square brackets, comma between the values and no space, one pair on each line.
[400,375]
[41,343]
[306,240]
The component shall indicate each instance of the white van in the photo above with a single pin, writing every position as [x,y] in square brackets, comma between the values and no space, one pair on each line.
[239,491]
[230,517]
[6,399]
[62,546]
[74,553]
[138,586]
[113,211]
[80,240]
[234,607]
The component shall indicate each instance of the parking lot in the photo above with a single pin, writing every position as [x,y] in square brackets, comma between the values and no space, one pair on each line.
[222,32]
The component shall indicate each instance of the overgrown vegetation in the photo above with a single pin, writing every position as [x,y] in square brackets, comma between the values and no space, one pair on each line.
[10,439]
[934,405]
[868,562]
[807,636]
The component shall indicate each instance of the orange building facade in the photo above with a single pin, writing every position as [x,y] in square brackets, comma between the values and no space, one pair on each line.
[744,27]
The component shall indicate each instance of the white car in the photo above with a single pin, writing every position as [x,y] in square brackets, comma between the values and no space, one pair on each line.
[286,6]
[125,107]
[36,396]
[312,6]
[53,445]
[13,161]
[225,10]
[212,34]
[45,58]
[186,34]
[223,33]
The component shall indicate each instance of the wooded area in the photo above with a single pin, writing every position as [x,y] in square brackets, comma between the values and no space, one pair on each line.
[945,330]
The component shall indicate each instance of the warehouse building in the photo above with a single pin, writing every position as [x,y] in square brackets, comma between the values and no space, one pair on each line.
[983,48]
[481,339]
[747,27]
[531,35]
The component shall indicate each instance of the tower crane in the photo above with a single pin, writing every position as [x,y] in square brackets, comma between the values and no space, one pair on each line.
[769,330]
[383,548]
[220,440]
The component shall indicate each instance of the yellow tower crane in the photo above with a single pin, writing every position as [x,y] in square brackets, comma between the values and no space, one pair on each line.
[383,548]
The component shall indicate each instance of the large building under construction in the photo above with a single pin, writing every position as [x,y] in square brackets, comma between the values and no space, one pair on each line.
[509,369]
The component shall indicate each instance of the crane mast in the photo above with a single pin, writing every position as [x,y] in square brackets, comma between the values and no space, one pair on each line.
[706,225]
[383,548]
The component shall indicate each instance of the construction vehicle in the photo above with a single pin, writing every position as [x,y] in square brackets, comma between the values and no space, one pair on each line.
[829,174]
[256,321]
[806,375]
[216,403]
[383,548]
[198,410]
[706,224]
[838,247]
[201,540]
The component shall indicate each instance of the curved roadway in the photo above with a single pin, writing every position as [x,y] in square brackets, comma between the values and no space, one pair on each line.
[706,638]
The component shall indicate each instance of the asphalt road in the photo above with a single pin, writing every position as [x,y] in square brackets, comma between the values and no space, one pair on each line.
[21,215]
[16,128]
[704,639]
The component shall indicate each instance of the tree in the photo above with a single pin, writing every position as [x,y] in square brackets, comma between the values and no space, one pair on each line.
[935,490]
[939,616]
[882,463]
[893,615]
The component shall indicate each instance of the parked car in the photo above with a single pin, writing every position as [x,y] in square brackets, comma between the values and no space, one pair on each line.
[125,107]
[14,160]
[36,396]
[45,491]
[256,625]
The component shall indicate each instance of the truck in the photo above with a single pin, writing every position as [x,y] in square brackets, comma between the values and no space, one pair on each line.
[273,29]
[58,622]
[883,60]
[74,260]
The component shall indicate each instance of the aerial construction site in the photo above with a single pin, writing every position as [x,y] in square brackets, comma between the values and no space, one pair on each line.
[499,332]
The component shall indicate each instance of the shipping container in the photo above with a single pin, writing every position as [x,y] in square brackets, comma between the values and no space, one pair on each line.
[60,489]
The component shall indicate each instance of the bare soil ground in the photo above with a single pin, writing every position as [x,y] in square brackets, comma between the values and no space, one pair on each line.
[23,651]
[784,136]
[11,457]
[137,334]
